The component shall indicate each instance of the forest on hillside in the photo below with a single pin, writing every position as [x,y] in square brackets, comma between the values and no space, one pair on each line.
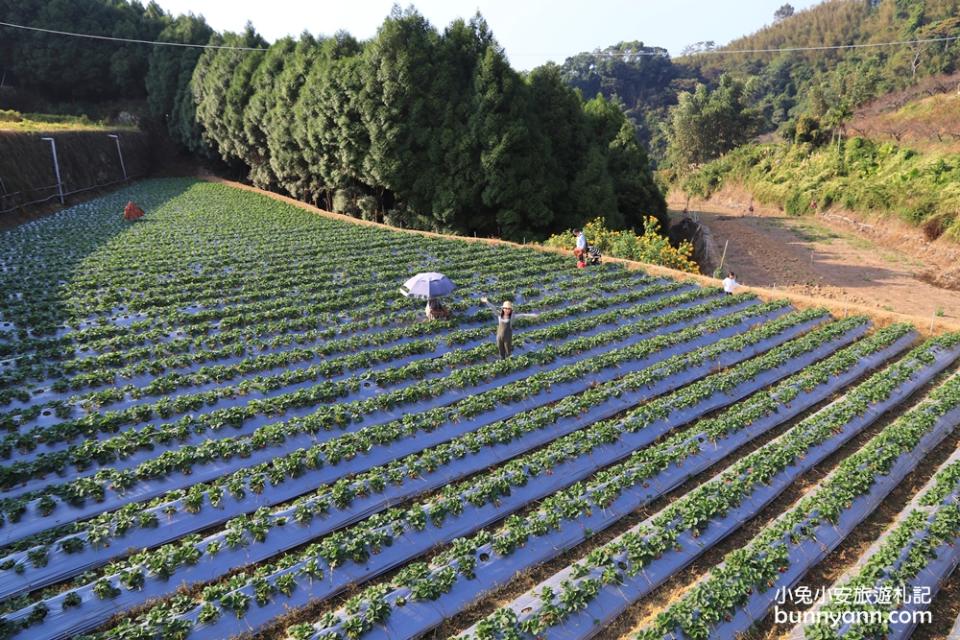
[432,128]
[777,89]
[417,127]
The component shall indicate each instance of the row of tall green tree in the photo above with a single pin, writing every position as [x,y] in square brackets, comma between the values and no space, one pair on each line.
[421,128]
[417,127]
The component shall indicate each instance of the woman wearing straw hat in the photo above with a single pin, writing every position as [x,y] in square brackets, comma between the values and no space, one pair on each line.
[505,316]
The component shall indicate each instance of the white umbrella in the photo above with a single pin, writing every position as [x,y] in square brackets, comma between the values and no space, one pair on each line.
[428,285]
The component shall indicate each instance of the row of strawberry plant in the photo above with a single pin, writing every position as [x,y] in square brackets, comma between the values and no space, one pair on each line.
[571,457]
[738,592]
[133,447]
[73,308]
[366,550]
[231,343]
[55,452]
[34,406]
[901,572]
[282,280]
[528,429]
[586,317]
[152,383]
[249,313]
[110,489]
[741,590]
[717,354]
[119,339]
[391,365]
[487,263]
[234,343]
[45,273]
[353,336]
[123,270]
[460,418]
[605,282]
[423,594]
[326,300]
[78,331]
[167,270]
[49,247]
[271,258]
[43,251]
[212,320]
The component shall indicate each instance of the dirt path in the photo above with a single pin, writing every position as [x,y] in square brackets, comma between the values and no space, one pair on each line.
[814,257]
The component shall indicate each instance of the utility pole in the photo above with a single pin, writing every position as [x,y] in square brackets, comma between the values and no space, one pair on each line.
[119,153]
[56,166]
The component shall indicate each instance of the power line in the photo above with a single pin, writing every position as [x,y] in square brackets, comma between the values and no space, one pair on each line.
[131,40]
[832,47]
[630,54]
[609,54]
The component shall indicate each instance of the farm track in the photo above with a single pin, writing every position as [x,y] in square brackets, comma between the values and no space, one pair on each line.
[297,496]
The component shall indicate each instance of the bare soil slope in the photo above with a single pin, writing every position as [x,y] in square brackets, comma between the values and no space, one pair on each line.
[830,257]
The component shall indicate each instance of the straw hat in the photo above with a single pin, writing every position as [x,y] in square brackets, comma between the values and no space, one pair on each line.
[507,305]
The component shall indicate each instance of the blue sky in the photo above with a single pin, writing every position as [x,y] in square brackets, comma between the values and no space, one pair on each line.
[531,31]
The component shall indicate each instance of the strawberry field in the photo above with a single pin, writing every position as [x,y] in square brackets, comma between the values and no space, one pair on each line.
[223,419]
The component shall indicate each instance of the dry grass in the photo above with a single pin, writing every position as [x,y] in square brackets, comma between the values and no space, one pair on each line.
[41,123]
[31,126]
[925,116]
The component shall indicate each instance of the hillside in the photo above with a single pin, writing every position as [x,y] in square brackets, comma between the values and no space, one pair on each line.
[782,86]
[902,161]
[925,116]
[922,189]
[786,83]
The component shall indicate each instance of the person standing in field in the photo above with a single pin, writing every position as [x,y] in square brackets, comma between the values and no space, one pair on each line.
[581,250]
[505,316]
[730,284]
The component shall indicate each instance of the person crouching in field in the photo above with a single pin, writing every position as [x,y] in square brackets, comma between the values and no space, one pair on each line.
[435,310]
[730,284]
[505,316]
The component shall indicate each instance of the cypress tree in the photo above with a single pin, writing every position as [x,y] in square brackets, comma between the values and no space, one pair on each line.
[400,113]
[285,153]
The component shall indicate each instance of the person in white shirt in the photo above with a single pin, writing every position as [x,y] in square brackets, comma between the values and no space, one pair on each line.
[730,284]
[581,249]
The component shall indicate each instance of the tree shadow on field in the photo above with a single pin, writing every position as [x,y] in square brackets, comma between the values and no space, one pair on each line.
[46,262]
